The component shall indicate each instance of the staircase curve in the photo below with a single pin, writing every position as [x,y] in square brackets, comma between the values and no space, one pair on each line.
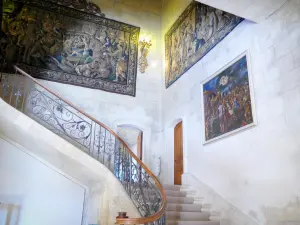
[31,97]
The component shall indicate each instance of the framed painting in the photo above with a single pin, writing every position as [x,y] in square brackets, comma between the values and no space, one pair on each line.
[70,42]
[228,100]
[198,30]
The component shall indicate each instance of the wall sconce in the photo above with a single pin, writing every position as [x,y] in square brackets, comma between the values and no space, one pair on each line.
[145,45]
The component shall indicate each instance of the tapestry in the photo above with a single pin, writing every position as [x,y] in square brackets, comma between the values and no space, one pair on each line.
[227,101]
[70,42]
[193,35]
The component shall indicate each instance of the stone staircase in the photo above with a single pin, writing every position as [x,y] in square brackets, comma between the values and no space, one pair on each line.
[183,208]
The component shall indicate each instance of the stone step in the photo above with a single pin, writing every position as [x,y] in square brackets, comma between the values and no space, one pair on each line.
[190,193]
[180,200]
[180,222]
[206,207]
[215,213]
[173,187]
[171,193]
[184,207]
[188,216]
[215,218]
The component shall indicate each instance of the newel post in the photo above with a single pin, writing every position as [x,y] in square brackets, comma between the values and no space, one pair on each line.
[122,215]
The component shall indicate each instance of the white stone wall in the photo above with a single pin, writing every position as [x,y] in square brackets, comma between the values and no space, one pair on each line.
[256,170]
[111,109]
[37,193]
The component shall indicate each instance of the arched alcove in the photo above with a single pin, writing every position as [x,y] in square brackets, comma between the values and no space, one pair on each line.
[133,136]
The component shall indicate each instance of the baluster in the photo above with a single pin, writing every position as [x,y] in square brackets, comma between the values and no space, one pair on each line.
[124,172]
[130,174]
[128,170]
[111,156]
[104,146]
[99,143]
[121,163]
[117,159]
[93,133]
[124,165]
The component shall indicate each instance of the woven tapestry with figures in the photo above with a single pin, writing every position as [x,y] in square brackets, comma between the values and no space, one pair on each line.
[193,35]
[70,42]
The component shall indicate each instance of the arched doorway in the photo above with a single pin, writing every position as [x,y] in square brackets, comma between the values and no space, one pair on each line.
[133,137]
[178,153]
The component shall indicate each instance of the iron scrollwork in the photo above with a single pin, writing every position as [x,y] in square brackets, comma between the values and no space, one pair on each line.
[55,114]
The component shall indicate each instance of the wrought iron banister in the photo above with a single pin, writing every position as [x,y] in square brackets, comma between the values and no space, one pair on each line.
[57,114]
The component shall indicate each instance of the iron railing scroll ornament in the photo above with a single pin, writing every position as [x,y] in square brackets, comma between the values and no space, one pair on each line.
[29,96]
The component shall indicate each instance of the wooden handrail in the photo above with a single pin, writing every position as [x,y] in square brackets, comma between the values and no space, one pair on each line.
[159,186]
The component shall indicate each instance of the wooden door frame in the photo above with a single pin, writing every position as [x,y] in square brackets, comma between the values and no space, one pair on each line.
[140,143]
[181,154]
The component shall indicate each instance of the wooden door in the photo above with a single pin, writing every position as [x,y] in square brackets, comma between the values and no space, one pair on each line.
[178,153]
